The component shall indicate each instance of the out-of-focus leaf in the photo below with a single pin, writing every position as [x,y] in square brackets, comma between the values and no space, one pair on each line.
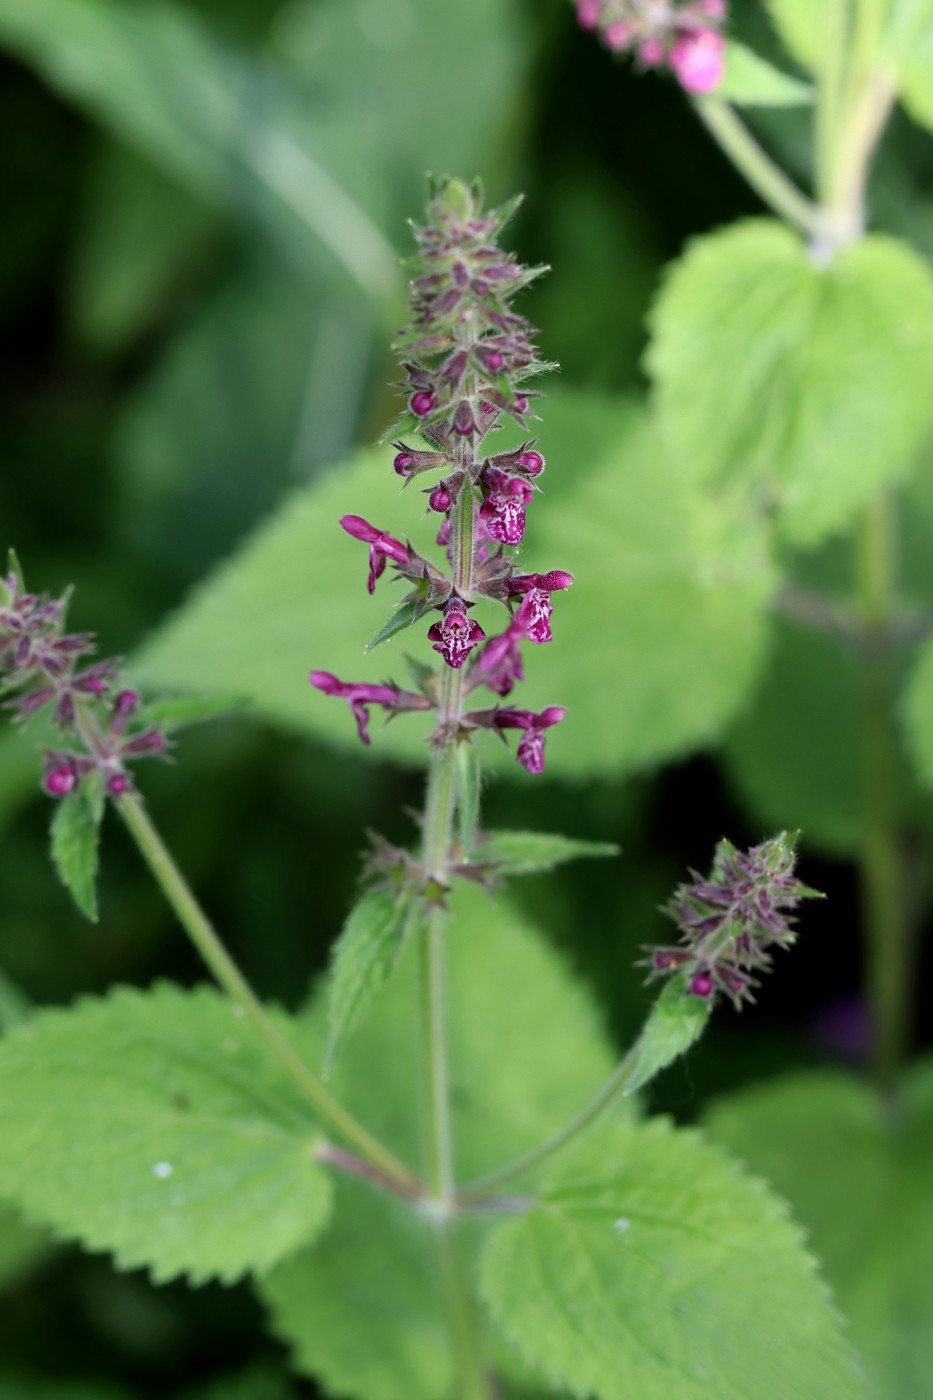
[258,1383]
[140,231]
[859,1181]
[207,112]
[909,44]
[803,28]
[178,713]
[750,81]
[655,646]
[819,390]
[21,1247]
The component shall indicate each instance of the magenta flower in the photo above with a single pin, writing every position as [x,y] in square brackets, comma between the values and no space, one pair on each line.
[457,635]
[500,665]
[698,60]
[530,753]
[503,510]
[381,546]
[360,696]
[536,608]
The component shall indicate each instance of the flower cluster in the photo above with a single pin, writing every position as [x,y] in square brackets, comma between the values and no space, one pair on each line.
[467,357]
[42,668]
[729,921]
[686,38]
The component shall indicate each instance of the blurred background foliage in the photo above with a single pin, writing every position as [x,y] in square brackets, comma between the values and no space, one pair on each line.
[205,203]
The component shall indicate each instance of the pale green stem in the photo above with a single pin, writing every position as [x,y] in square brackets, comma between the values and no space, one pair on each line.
[831,90]
[472,1381]
[766,178]
[203,936]
[613,1089]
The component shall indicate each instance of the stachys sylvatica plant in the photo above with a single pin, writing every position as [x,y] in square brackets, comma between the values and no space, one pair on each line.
[437,1177]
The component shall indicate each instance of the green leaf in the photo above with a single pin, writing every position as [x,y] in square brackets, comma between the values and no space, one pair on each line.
[363,959]
[676,1020]
[524,852]
[139,231]
[405,614]
[373,1262]
[804,29]
[75,838]
[156,1126]
[468,780]
[182,710]
[653,1267]
[526,1053]
[820,388]
[670,593]
[750,81]
[860,1183]
[40,1388]
[909,46]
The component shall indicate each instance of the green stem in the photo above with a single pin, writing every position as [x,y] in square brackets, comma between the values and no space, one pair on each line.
[472,1381]
[613,1088]
[202,934]
[438,1169]
[753,162]
[886,927]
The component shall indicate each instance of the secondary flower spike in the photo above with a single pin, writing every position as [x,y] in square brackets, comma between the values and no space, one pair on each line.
[466,357]
[40,669]
[729,921]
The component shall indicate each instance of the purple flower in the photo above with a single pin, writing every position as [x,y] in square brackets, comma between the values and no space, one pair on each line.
[381,546]
[503,510]
[530,753]
[457,635]
[500,665]
[360,696]
[536,608]
[698,60]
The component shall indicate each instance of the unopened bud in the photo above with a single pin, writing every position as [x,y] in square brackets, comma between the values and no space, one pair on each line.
[421,403]
[59,780]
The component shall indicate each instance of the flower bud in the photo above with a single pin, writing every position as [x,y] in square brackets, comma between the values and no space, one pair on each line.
[421,403]
[440,500]
[60,780]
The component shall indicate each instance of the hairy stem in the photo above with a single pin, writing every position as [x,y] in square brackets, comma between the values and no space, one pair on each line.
[201,932]
[766,178]
[613,1089]
[472,1381]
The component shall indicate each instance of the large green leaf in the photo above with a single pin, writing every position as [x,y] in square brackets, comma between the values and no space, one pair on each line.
[655,646]
[819,388]
[156,1126]
[652,1268]
[372,1263]
[860,1183]
[526,1054]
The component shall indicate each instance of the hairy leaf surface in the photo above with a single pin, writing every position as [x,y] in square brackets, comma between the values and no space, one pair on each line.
[75,838]
[860,1184]
[653,1267]
[524,852]
[363,958]
[156,1126]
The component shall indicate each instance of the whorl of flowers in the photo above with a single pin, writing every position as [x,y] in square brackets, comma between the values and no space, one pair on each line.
[42,669]
[686,38]
[466,358]
[729,921]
